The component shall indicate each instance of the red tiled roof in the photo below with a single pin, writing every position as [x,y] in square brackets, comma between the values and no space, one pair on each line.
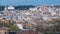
[4,28]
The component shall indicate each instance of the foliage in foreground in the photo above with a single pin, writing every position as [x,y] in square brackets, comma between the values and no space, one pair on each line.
[11,26]
[50,29]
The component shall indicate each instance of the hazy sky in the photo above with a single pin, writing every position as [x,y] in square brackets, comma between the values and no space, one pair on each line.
[29,2]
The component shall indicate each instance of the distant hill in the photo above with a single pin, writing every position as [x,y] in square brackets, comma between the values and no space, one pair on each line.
[24,7]
[2,8]
[57,6]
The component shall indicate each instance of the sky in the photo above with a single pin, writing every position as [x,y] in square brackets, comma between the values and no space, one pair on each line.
[29,2]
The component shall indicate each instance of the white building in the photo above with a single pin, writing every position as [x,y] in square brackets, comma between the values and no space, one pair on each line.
[33,9]
[19,26]
[11,7]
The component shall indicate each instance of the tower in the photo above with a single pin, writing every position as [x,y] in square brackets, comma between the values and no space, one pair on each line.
[5,8]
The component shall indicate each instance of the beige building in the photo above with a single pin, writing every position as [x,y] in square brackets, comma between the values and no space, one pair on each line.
[4,30]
